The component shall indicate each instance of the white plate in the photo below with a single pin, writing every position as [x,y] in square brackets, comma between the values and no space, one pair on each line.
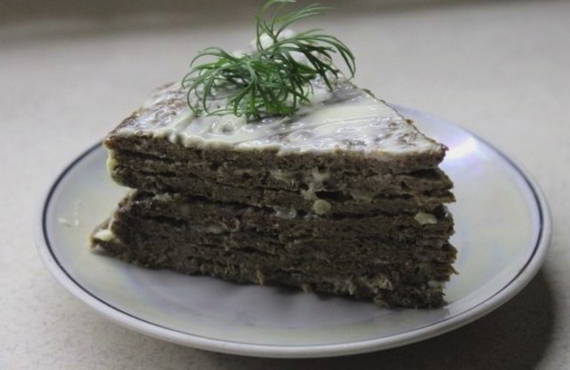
[503,229]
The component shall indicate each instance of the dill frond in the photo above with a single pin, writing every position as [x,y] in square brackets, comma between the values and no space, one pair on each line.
[275,78]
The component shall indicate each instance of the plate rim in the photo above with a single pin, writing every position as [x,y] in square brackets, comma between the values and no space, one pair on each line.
[106,309]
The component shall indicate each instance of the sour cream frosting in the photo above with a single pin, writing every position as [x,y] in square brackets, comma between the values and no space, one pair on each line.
[347,118]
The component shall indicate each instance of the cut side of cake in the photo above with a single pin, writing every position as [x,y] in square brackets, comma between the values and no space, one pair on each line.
[344,197]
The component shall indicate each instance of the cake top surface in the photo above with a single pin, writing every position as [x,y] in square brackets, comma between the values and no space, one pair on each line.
[347,119]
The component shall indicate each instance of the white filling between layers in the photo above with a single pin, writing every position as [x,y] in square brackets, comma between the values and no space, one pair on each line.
[104,235]
[424,218]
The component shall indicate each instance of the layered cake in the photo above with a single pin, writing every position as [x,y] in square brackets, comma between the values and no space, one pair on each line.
[271,167]
[345,197]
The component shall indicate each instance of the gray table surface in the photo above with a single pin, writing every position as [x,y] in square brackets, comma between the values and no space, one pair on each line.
[501,69]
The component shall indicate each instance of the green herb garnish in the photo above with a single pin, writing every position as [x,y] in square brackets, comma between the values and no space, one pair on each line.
[274,79]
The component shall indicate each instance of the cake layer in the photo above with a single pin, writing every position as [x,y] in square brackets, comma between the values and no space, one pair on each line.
[163,253]
[233,217]
[126,226]
[347,128]
[137,230]
[347,180]
[386,289]
[322,202]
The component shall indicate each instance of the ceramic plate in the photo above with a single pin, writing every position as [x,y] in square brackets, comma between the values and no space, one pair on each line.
[502,224]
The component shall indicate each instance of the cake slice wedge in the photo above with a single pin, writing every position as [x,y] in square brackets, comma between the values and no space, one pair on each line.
[346,197]
[270,166]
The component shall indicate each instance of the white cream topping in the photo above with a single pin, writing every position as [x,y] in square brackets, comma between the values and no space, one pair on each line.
[111,162]
[287,213]
[347,118]
[319,177]
[321,207]
[104,235]
[363,196]
[424,218]
[281,175]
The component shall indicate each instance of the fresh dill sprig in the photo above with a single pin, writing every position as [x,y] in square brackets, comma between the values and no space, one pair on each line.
[274,79]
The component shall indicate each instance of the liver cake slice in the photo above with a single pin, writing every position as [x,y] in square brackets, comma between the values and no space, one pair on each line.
[346,197]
